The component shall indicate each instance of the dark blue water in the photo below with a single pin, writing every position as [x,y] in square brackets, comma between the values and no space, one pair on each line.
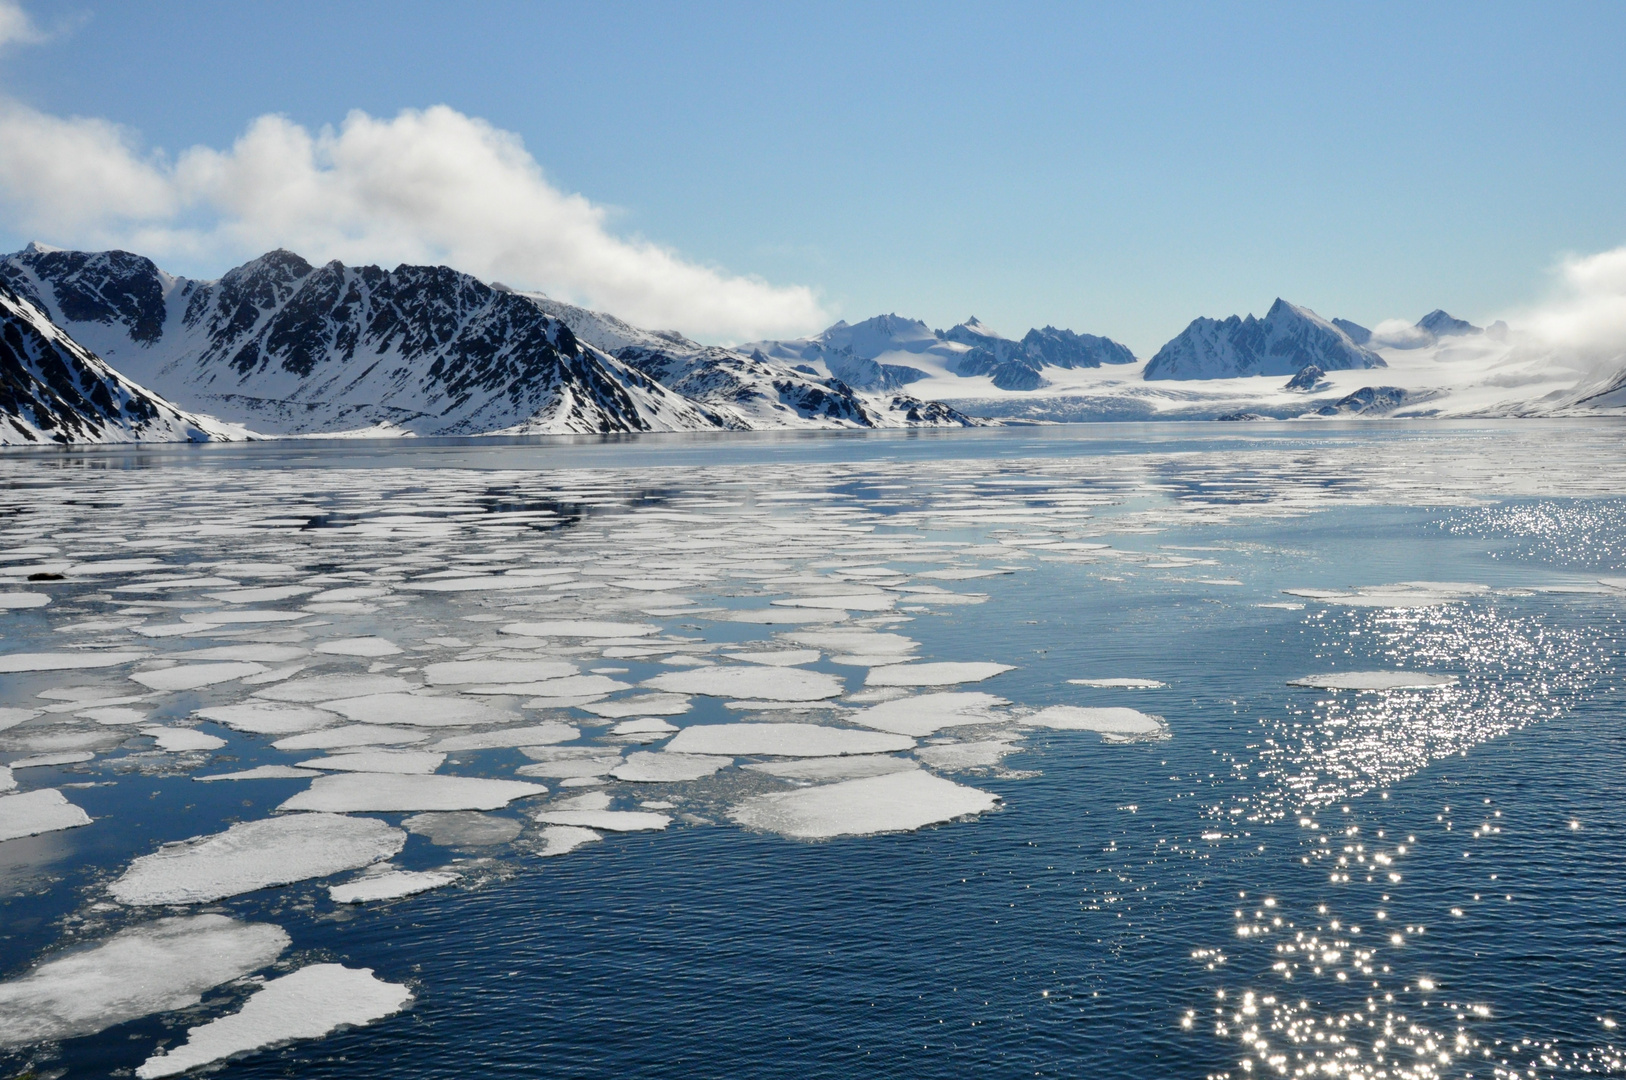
[1091,925]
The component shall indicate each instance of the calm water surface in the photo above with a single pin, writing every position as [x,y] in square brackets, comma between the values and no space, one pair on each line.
[1297,881]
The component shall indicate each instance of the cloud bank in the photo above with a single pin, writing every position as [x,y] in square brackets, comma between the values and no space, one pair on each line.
[430,186]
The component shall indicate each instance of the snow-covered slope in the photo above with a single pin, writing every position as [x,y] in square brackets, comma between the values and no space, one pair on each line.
[1286,339]
[889,351]
[751,389]
[290,348]
[52,389]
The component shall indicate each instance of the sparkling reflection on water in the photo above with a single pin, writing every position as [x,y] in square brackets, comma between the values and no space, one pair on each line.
[1301,882]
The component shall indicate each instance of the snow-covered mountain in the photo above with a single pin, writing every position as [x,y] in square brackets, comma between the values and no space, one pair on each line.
[889,351]
[1287,339]
[748,388]
[52,389]
[291,348]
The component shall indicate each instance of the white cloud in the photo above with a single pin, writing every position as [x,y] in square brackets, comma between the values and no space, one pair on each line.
[1399,334]
[427,186]
[16,26]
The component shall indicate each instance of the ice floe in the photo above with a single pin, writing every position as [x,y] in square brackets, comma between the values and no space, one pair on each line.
[766,683]
[943,673]
[183,740]
[64,757]
[895,802]
[607,820]
[379,761]
[1120,684]
[261,772]
[661,768]
[333,687]
[35,812]
[1118,723]
[783,616]
[463,828]
[465,672]
[641,705]
[156,967]
[350,793]
[834,768]
[265,718]
[13,601]
[543,734]
[924,714]
[256,855]
[66,661]
[777,658]
[360,646]
[305,1005]
[11,716]
[193,676]
[390,885]
[783,740]
[1375,680]
[563,839]
[972,754]
[649,725]
[351,735]
[580,628]
[419,710]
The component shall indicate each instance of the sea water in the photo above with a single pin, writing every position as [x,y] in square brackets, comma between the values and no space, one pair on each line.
[1408,864]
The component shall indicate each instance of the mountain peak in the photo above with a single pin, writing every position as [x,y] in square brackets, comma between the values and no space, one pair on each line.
[1440,323]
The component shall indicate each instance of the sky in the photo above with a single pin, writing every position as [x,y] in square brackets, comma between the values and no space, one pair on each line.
[738,171]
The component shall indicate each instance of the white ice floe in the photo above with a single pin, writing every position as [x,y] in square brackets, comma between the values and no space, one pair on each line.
[834,768]
[1115,723]
[783,740]
[935,674]
[766,683]
[221,618]
[975,754]
[66,661]
[390,885]
[875,601]
[256,654]
[359,646]
[783,616]
[776,658]
[644,767]
[8,782]
[35,812]
[924,714]
[649,725]
[580,628]
[379,761]
[1375,680]
[569,687]
[575,762]
[256,855]
[13,601]
[11,716]
[465,672]
[263,718]
[563,839]
[607,820]
[153,968]
[64,757]
[544,734]
[305,1005]
[183,740]
[351,793]
[641,705]
[192,676]
[419,710]
[269,594]
[499,583]
[960,573]
[1120,684]
[463,828]
[1400,594]
[351,735]
[895,802]
[332,687]
[261,772]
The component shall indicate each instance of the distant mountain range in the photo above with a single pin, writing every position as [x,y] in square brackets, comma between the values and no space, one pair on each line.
[105,346]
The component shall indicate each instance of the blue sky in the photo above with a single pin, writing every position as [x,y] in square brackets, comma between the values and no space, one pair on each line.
[1117,169]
